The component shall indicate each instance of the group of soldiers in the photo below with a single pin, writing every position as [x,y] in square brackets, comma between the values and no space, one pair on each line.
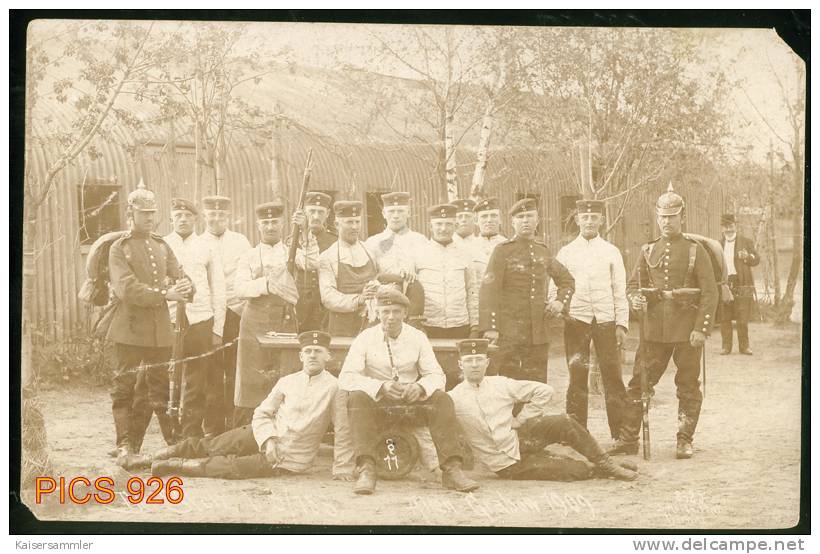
[393,292]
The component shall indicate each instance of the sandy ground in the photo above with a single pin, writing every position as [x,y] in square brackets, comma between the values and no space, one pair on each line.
[745,473]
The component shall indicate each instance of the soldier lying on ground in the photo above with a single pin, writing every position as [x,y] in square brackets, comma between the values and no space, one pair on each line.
[484,407]
[284,436]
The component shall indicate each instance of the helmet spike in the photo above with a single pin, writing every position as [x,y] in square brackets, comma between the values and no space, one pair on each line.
[670,188]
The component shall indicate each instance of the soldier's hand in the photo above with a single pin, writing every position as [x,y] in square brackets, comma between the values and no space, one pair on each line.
[180,294]
[697,338]
[370,290]
[555,308]
[491,336]
[620,336]
[393,390]
[298,218]
[408,276]
[638,302]
[743,255]
[726,294]
[413,393]
[271,454]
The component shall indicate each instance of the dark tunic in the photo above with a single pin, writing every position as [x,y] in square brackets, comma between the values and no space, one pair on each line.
[309,310]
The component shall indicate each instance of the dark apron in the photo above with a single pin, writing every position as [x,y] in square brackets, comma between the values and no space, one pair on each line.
[257,370]
[350,280]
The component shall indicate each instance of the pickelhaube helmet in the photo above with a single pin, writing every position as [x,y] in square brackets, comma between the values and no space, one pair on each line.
[142,199]
[670,202]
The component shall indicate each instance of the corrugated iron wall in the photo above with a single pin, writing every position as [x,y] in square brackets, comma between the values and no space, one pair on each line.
[351,170]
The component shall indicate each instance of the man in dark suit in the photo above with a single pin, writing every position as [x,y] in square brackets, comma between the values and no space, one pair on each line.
[740,256]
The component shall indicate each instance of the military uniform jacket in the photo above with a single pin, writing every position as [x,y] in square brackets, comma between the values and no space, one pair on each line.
[665,264]
[141,267]
[513,293]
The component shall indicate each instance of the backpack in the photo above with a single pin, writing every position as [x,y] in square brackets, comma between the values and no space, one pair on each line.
[95,290]
[721,272]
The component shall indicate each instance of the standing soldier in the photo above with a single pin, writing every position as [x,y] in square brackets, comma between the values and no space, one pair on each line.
[347,274]
[229,247]
[310,314]
[443,268]
[205,314]
[142,267]
[740,256]
[599,313]
[513,306]
[673,287]
[269,291]
[465,222]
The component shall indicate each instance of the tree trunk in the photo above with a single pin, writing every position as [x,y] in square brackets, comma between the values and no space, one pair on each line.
[450,156]
[477,188]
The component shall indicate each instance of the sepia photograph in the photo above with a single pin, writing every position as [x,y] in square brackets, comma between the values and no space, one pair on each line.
[449,275]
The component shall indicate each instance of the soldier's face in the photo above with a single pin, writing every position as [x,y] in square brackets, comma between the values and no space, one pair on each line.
[474,367]
[314,359]
[143,221]
[183,222]
[489,222]
[670,225]
[270,229]
[590,224]
[391,317]
[730,231]
[316,217]
[465,224]
[442,229]
[396,217]
[216,221]
[525,223]
[348,228]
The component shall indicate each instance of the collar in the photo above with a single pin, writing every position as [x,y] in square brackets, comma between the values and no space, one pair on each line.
[310,378]
[185,239]
[225,232]
[443,244]
[730,240]
[581,240]
[489,237]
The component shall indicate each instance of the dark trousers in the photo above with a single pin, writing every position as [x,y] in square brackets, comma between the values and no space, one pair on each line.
[242,416]
[194,385]
[526,362]
[535,464]
[738,310]
[221,379]
[577,338]
[368,418]
[462,332]
[137,393]
[653,357]
[727,334]
[232,455]
[310,314]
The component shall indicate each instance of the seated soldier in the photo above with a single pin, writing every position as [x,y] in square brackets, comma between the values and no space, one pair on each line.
[393,377]
[284,436]
[484,407]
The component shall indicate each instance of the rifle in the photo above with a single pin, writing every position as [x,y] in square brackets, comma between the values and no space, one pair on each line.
[176,369]
[647,444]
[295,230]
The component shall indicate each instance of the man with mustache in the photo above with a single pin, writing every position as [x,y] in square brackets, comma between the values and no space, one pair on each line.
[740,255]
[513,306]
[465,222]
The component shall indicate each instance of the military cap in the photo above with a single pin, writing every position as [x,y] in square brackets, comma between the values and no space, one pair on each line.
[178,204]
[590,206]
[524,205]
[314,338]
[486,204]
[316,198]
[391,297]
[216,203]
[269,210]
[347,208]
[142,199]
[727,219]
[463,205]
[669,203]
[442,211]
[396,199]
[469,347]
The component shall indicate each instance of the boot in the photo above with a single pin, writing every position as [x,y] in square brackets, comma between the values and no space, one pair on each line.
[684,449]
[366,483]
[165,453]
[626,464]
[178,467]
[606,467]
[453,477]
[621,446]
[131,462]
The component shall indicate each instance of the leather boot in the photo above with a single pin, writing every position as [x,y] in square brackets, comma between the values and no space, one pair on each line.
[621,446]
[165,453]
[178,467]
[626,464]
[366,483]
[608,468]
[453,477]
[684,450]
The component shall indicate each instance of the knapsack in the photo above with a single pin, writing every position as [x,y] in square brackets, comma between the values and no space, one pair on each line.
[715,251]
[95,290]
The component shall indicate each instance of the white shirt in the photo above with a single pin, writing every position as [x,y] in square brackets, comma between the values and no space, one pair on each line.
[444,273]
[229,247]
[485,414]
[369,362]
[204,267]
[297,413]
[395,252]
[482,248]
[729,255]
[600,281]
[251,280]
